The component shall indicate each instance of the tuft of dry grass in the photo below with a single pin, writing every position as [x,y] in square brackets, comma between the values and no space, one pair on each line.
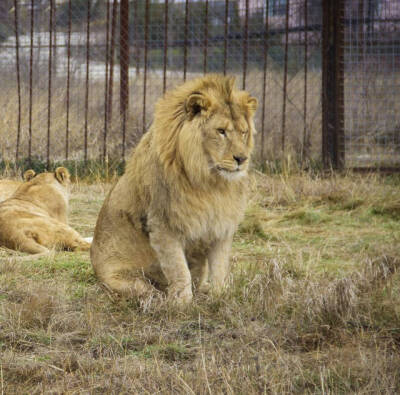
[311,306]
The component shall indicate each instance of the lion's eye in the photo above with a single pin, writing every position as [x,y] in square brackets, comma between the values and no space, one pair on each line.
[221,131]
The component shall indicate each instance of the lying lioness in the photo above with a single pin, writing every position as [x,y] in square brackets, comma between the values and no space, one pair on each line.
[34,219]
[8,187]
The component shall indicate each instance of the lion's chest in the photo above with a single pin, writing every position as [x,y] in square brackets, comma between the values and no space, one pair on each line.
[206,217]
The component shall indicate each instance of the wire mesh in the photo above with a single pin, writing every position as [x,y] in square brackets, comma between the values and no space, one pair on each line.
[372,84]
[92,71]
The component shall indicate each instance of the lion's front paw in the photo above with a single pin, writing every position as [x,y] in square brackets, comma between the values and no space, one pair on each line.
[180,296]
[204,287]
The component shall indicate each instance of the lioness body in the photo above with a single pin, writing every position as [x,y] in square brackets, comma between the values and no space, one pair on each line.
[34,219]
[170,219]
[7,188]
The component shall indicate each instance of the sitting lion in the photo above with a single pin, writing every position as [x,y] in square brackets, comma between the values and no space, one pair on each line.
[8,187]
[170,218]
[34,219]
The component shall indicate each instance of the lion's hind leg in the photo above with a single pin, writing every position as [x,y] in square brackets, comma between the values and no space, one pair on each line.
[31,246]
[126,282]
[129,287]
[134,288]
[23,240]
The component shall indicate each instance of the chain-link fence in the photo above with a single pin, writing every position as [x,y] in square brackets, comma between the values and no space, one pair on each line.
[372,83]
[80,77]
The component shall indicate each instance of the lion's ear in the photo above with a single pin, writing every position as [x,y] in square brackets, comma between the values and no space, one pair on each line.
[29,174]
[252,105]
[62,174]
[196,103]
[247,103]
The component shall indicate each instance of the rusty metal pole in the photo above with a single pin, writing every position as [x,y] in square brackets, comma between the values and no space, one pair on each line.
[285,73]
[107,61]
[68,78]
[49,84]
[16,21]
[205,44]
[136,46]
[264,82]
[55,38]
[146,39]
[112,56]
[226,34]
[333,149]
[185,40]
[124,68]
[87,82]
[30,86]
[165,46]
[245,43]
[305,148]
[360,33]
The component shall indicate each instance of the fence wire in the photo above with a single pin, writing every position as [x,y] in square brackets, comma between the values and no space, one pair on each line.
[80,77]
[372,84]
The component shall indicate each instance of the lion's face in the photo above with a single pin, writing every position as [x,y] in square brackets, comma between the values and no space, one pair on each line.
[220,131]
[204,130]
[227,143]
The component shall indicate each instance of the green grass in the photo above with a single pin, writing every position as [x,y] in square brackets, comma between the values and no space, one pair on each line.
[312,305]
[92,170]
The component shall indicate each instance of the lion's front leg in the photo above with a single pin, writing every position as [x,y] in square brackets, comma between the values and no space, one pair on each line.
[173,264]
[218,262]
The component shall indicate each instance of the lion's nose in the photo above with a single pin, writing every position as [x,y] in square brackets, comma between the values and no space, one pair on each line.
[240,159]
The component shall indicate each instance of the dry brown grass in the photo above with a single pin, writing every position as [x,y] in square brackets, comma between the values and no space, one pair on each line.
[312,305]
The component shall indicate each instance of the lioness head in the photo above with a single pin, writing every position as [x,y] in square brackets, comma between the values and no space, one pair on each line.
[48,190]
[206,126]
[39,185]
[60,176]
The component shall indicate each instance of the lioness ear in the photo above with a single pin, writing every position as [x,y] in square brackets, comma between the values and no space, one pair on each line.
[196,103]
[29,174]
[62,174]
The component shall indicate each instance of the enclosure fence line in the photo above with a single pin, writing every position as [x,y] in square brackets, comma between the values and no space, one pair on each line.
[313,66]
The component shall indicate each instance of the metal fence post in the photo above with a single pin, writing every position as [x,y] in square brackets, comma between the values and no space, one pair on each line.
[285,79]
[68,79]
[30,85]
[124,68]
[112,60]
[50,68]
[333,153]
[88,17]
[165,58]
[107,62]
[18,80]
[146,39]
